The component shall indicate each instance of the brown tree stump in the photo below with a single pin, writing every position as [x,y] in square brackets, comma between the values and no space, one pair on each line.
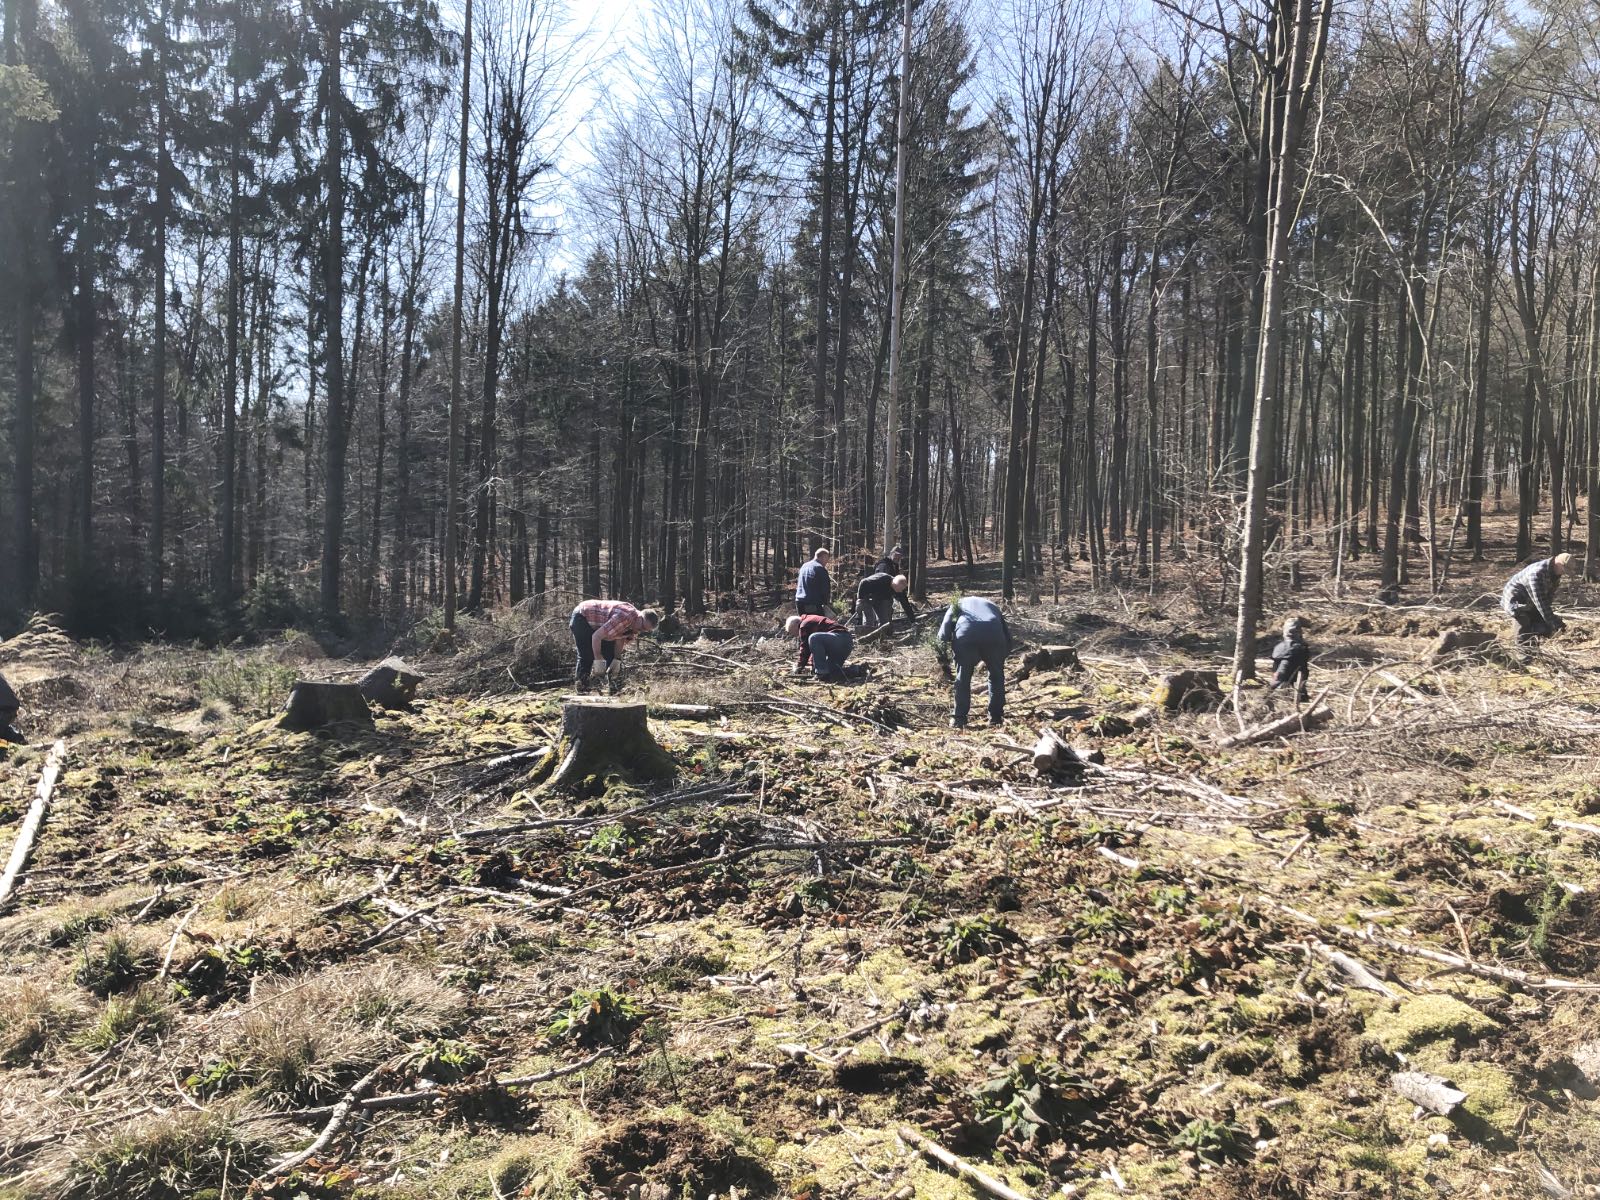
[391,684]
[1187,689]
[8,713]
[1462,641]
[317,705]
[1049,658]
[604,741]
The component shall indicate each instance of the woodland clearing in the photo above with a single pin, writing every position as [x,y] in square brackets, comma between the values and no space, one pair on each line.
[1187,970]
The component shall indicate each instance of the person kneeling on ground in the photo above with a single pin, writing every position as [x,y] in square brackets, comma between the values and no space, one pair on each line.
[1291,660]
[603,629]
[876,596]
[824,643]
[8,713]
[977,632]
[1529,598]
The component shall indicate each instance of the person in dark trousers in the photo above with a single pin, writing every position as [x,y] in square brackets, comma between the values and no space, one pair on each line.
[1529,598]
[813,593]
[889,564]
[1291,660]
[8,714]
[603,629]
[876,596]
[824,643]
[976,631]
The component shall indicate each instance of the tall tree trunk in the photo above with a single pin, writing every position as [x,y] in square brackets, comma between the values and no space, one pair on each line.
[1294,76]
[336,433]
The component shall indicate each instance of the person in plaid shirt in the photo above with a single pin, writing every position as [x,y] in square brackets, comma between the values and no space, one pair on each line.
[603,629]
[1529,598]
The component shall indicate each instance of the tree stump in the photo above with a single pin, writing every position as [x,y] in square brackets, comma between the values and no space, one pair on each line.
[1049,658]
[603,741]
[8,713]
[391,684]
[1462,641]
[1187,689]
[316,705]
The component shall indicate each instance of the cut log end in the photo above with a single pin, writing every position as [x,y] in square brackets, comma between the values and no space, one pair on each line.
[316,705]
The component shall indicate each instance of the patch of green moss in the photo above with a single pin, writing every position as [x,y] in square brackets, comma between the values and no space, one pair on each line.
[1492,1110]
[1425,1019]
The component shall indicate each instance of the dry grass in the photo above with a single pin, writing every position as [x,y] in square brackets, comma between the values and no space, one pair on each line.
[304,1040]
[35,1017]
[179,1154]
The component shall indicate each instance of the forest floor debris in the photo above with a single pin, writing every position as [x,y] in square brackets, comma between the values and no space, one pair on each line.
[383,964]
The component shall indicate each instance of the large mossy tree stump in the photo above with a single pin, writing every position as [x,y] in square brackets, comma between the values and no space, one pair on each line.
[601,739]
[316,705]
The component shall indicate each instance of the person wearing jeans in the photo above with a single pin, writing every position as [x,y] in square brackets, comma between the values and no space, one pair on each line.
[824,643]
[977,632]
[813,593]
[1529,598]
[601,629]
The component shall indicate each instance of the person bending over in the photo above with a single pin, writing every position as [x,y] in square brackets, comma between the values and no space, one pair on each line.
[604,629]
[824,643]
[876,596]
[1529,598]
[976,631]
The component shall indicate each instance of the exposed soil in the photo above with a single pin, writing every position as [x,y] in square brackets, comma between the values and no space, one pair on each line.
[841,918]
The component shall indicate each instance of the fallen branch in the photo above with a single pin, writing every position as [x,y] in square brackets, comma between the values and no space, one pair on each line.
[356,901]
[683,712]
[1528,814]
[172,946]
[1453,961]
[437,1091]
[1314,717]
[780,702]
[1355,968]
[979,1179]
[713,792]
[340,1114]
[716,860]
[31,824]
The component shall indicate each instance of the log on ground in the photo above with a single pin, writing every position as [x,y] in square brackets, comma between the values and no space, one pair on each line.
[1296,722]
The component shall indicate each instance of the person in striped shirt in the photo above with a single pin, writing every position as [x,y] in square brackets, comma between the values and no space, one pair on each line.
[603,629]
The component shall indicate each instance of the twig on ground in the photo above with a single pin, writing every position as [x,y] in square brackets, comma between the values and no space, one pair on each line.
[341,1114]
[979,1179]
[31,824]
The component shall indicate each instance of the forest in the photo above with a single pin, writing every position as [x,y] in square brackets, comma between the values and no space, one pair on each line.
[363,359]
[268,365]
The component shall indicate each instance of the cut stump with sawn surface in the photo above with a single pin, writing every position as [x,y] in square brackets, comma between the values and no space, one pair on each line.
[603,741]
[392,684]
[317,705]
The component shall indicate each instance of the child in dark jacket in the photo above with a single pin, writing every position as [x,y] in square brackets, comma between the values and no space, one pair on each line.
[1291,660]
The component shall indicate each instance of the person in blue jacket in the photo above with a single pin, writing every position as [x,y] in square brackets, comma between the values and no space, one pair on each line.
[977,632]
[813,594]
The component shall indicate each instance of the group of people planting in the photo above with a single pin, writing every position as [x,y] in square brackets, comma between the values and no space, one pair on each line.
[974,630]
